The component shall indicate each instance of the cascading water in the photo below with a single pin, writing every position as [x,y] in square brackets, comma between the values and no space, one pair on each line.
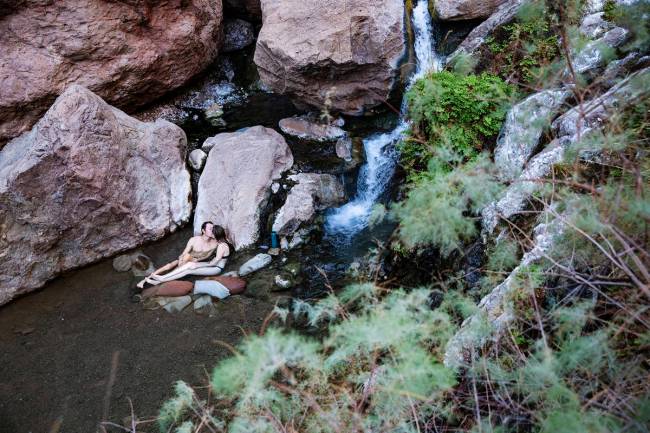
[381,155]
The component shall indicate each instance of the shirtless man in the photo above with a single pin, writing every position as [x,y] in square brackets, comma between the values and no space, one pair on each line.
[198,249]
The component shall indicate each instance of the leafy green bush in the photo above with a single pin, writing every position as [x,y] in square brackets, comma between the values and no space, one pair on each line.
[462,113]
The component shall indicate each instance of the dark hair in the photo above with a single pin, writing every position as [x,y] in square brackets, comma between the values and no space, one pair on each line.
[220,235]
[205,224]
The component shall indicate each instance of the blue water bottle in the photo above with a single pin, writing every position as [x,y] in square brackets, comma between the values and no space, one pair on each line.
[274,240]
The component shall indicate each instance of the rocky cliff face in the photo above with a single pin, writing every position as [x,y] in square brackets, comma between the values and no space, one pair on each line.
[336,54]
[86,182]
[128,52]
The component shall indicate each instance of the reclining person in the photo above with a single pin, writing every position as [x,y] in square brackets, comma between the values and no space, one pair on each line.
[212,243]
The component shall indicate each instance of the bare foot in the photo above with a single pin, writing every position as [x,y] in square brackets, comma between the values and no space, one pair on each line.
[141,284]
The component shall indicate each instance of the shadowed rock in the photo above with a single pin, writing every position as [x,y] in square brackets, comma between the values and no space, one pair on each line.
[86,182]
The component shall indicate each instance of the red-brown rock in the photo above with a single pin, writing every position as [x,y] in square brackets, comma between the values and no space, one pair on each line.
[128,52]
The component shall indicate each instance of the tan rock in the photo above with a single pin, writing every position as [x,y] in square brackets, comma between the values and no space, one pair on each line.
[456,10]
[128,52]
[236,180]
[86,182]
[339,54]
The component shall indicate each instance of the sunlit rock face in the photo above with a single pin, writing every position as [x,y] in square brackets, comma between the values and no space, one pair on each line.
[86,182]
[337,54]
[127,52]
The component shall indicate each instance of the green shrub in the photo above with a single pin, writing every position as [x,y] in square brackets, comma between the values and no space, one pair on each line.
[462,113]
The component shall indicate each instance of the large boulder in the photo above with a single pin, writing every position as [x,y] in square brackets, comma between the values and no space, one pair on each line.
[456,10]
[236,180]
[312,192]
[128,52]
[522,129]
[86,182]
[337,54]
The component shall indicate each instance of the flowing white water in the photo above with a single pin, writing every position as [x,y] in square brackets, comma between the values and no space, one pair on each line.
[381,155]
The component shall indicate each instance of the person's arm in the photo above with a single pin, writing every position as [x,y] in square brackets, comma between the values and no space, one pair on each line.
[221,250]
[187,249]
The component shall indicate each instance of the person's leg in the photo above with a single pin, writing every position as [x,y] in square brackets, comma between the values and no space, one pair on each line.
[169,266]
[188,269]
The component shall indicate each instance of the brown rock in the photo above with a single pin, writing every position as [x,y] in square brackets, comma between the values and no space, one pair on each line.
[456,10]
[339,54]
[86,182]
[306,129]
[236,180]
[128,52]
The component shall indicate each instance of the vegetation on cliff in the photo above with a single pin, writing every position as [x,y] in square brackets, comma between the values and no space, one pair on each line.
[573,354]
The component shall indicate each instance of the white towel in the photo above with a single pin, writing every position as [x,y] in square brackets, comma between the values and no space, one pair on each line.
[212,288]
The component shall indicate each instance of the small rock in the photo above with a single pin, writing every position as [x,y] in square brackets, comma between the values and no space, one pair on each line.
[141,265]
[238,34]
[213,114]
[258,262]
[274,251]
[284,243]
[281,282]
[174,304]
[231,274]
[197,159]
[275,187]
[344,148]
[202,301]
[122,263]
[293,268]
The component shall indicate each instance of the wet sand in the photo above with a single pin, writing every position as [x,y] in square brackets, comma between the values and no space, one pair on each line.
[72,354]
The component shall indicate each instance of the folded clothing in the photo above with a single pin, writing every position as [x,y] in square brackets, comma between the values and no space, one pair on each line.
[235,285]
[212,288]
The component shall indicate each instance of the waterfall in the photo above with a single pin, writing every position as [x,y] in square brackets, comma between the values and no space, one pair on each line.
[381,155]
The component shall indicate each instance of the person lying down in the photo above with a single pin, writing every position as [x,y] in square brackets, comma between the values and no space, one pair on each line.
[204,255]
[218,286]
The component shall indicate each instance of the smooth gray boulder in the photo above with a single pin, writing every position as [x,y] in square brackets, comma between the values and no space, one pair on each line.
[522,129]
[236,181]
[312,192]
[87,182]
[197,159]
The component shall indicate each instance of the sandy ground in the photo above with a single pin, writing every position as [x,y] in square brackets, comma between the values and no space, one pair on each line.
[72,355]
